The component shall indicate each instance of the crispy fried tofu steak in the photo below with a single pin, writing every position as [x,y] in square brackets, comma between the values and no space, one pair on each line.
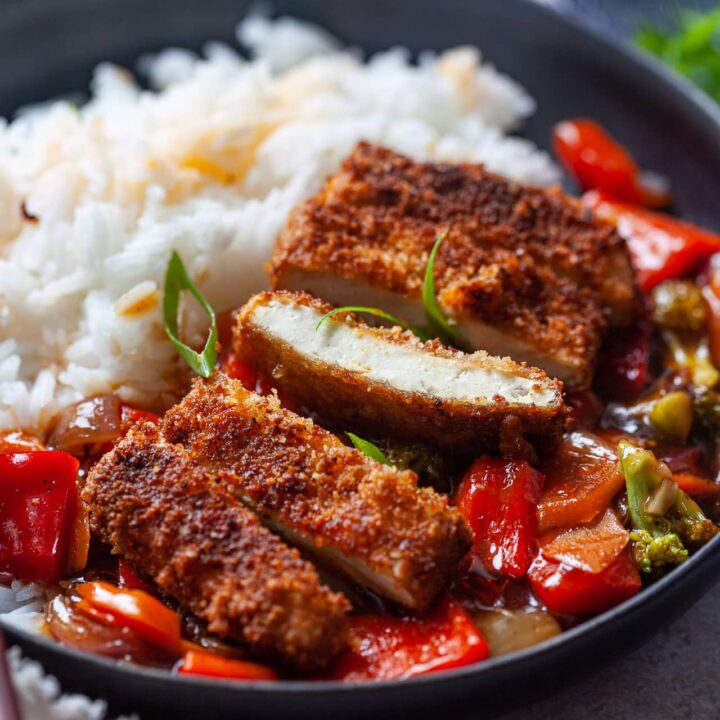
[178,523]
[525,273]
[386,382]
[369,521]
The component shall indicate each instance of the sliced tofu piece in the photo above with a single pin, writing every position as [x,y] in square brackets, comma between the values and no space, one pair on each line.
[386,382]
[175,521]
[524,272]
[367,520]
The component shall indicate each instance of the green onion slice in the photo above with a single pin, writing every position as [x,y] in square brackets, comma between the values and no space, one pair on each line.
[176,281]
[437,321]
[368,310]
[368,448]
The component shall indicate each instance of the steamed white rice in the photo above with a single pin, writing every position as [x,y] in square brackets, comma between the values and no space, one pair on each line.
[210,164]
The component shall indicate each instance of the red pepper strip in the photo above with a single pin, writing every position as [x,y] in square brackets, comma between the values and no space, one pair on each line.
[622,367]
[197,662]
[599,162]
[696,486]
[38,509]
[587,408]
[130,580]
[130,415]
[265,386]
[661,247]
[566,590]
[498,499]
[232,366]
[134,609]
[388,648]
[581,479]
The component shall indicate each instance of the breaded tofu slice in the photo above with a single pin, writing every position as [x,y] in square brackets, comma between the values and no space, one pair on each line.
[386,382]
[180,525]
[369,521]
[524,272]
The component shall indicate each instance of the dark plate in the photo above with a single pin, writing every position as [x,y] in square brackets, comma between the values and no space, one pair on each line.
[50,48]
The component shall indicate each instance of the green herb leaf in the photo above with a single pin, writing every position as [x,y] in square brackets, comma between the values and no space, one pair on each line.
[362,309]
[693,50]
[368,448]
[176,281]
[438,323]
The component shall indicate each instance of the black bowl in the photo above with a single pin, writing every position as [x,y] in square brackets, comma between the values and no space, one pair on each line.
[51,49]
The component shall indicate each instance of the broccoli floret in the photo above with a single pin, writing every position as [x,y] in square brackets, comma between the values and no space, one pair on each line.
[656,555]
[706,406]
[672,415]
[659,541]
[681,312]
[695,533]
[679,305]
[432,467]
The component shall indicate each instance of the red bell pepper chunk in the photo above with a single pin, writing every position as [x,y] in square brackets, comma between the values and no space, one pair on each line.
[134,609]
[129,579]
[662,247]
[198,662]
[567,590]
[38,509]
[598,162]
[622,367]
[498,499]
[388,648]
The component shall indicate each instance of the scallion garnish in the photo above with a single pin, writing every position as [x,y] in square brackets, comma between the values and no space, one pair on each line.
[368,448]
[437,324]
[362,309]
[437,321]
[176,281]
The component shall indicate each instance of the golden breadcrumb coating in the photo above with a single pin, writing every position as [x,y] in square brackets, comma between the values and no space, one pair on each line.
[351,400]
[179,523]
[529,262]
[368,520]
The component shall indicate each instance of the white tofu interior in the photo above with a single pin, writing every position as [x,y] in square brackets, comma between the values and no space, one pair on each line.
[341,291]
[405,368]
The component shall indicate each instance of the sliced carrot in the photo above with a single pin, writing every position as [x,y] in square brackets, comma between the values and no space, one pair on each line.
[590,547]
[198,662]
[696,486]
[17,441]
[580,481]
[134,609]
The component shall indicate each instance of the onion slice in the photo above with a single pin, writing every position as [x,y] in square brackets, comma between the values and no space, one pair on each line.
[507,631]
[95,420]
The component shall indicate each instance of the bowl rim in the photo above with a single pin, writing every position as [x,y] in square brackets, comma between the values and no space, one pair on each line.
[709,111]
